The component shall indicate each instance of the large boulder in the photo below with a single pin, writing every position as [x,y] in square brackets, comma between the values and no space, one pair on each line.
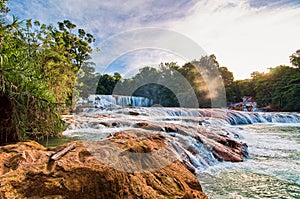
[27,171]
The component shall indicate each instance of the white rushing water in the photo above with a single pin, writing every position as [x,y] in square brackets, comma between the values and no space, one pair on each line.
[113,101]
[271,170]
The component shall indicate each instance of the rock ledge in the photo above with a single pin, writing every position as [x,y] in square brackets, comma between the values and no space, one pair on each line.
[26,172]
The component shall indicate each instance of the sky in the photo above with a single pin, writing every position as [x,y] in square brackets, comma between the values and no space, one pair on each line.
[245,35]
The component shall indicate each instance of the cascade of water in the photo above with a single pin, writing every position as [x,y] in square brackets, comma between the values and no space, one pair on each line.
[199,136]
[192,151]
[112,101]
[236,117]
[133,101]
[229,116]
[207,116]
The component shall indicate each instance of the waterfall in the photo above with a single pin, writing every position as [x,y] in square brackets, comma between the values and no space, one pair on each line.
[217,115]
[113,101]
[132,101]
[236,118]
[229,116]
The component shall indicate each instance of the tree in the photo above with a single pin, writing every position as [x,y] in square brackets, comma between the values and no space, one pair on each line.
[107,83]
[38,69]
[194,77]
[227,76]
[87,80]
[3,11]
[279,88]
[295,59]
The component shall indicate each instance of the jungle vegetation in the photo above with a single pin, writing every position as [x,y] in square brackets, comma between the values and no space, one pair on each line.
[38,69]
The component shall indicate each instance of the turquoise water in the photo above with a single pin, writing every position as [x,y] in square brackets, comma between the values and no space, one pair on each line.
[272,170]
[53,142]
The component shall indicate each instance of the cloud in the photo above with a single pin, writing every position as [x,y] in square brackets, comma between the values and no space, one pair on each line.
[273,3]
[105,18]
[146,46]
[37,10]
[244,38]
[245,35]
[130,63]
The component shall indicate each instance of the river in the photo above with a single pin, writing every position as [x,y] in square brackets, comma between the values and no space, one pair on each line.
[271,169]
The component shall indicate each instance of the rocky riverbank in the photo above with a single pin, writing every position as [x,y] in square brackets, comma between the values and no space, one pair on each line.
[26,170]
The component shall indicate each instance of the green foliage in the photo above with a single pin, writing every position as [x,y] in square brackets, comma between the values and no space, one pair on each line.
[279,88]
[3,11]
[87,80]
[295,59]
[107,83]
[38,66]
[159,94]
[226,75]
[196,80]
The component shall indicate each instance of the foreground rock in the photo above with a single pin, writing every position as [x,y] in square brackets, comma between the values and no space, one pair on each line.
[26,172]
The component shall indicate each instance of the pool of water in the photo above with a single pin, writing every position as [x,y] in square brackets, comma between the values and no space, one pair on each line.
[53,142]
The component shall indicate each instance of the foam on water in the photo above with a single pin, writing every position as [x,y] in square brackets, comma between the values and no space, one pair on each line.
[271,171]
[273,141]
[114,101]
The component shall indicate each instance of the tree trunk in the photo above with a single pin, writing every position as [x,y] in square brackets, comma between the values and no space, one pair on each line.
[8,129]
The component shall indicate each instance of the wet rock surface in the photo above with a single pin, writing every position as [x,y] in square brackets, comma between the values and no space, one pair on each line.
[26,172]
[222,144]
